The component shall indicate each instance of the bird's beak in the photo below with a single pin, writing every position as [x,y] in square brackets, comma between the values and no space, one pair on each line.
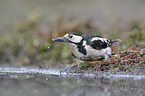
[60,39]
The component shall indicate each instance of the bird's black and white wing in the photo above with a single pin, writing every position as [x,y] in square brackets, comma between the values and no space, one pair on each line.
[97,42]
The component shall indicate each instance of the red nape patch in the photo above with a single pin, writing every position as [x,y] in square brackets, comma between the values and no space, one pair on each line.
[112,49]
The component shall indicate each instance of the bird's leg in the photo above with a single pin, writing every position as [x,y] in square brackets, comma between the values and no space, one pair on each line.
[106,57]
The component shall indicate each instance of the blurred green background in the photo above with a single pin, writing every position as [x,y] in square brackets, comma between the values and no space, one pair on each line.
[28,26]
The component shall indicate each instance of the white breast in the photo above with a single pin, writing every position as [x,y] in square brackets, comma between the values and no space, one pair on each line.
[74,50]
[94,54]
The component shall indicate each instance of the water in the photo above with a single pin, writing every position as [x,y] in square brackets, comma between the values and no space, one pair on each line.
[51,82]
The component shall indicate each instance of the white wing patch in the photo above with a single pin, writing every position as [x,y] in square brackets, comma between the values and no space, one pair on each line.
[102,39]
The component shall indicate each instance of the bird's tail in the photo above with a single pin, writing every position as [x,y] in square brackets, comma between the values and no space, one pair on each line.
[116,40]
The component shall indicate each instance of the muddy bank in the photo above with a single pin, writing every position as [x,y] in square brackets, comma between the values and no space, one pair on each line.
[121,62]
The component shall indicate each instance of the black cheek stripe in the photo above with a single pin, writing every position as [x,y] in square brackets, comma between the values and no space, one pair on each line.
[81,48]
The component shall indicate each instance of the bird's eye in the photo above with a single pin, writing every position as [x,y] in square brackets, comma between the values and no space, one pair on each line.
[70,36]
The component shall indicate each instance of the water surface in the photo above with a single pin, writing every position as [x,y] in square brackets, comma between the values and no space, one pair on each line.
[50,82]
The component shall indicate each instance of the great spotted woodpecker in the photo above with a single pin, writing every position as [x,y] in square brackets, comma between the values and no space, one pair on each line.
[88,47]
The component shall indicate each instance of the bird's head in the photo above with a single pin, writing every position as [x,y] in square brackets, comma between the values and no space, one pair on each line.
[72,37]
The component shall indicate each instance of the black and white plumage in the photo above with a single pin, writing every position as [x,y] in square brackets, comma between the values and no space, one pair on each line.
[88,47]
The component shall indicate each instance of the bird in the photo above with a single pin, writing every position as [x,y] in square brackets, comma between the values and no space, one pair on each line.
[88,47]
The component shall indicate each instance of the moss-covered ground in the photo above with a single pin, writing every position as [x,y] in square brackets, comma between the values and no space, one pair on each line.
[123,61]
